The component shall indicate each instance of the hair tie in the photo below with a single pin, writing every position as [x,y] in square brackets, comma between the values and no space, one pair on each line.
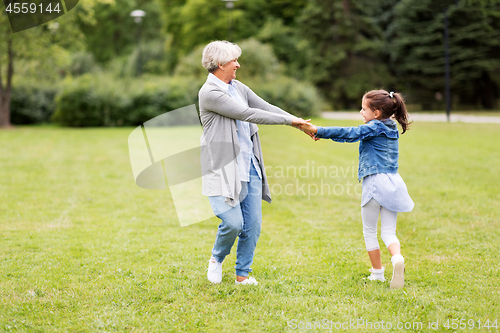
[391,94]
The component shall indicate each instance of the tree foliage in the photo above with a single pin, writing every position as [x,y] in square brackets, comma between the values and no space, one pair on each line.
[347,45]
[113,32]
[417,51]
[41,47]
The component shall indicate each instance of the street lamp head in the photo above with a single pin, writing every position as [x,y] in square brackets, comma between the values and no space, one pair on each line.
[53,26]
[229,3]
[138,15]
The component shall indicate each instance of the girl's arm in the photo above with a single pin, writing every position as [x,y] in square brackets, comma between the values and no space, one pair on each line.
[347,134]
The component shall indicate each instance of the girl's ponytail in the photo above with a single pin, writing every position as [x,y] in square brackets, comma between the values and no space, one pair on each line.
[400,113]
[390,104]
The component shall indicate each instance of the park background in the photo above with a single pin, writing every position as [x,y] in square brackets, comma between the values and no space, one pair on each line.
[85,249]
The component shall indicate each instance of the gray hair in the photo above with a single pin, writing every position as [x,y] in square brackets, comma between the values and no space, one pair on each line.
[219,52]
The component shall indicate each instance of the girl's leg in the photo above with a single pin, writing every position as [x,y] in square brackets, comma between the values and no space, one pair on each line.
[394,249]
[388,232]
[375,259]
[369,215]
[388,226]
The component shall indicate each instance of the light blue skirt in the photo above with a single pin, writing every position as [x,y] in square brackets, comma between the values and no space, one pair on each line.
[389,190]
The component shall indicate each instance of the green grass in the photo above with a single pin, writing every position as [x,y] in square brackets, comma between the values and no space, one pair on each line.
[84,249]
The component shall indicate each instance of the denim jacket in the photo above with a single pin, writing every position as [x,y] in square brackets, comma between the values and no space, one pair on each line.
[378,147]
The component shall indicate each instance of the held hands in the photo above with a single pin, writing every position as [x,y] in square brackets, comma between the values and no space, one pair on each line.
[306,127]
[298,122]
[310,130]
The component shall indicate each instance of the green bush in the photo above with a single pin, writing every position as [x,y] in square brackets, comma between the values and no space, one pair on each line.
[257,61]
[154,57]
[90,100]
[81,63]
[190,65]
[32,103]
[103,100]
[153,96]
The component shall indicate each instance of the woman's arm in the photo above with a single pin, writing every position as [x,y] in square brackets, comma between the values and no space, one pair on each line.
[255,101]
[217,101]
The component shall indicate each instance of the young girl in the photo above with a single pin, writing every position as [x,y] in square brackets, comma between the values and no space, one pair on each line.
[384,191]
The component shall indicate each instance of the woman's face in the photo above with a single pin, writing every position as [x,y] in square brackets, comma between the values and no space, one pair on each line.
[229,70]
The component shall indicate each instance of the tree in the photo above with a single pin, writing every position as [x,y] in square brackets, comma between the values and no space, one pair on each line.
[13,46]
[5,92]
[191,23]
[38,44]
[346,44]
[417,50]
[112,33]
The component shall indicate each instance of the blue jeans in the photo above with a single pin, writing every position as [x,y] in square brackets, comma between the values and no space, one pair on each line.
[244,220]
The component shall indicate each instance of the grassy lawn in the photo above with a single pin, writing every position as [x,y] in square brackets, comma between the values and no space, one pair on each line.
[84,249]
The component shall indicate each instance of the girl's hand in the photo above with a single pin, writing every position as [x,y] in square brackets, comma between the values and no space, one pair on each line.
[309,128]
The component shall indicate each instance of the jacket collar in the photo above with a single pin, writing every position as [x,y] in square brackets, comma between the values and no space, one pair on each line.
[218,82]
[387,122]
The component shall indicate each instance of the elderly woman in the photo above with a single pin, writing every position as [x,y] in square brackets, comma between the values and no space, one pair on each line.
[234,176]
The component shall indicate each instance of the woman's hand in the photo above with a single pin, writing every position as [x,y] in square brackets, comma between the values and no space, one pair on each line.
[299,122]
[305,124]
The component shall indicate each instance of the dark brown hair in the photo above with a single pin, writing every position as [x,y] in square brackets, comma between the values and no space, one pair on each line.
[381,100]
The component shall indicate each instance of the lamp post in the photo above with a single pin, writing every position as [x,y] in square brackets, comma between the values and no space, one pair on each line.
[53,26]
[447,90]
[138,15]
[229,6]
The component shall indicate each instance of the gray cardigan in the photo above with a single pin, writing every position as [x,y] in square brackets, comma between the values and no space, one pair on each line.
[219,141]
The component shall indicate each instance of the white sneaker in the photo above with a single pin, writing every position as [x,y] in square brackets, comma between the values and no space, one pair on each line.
[398,275]
[377,274]
[250,280]
[214,271]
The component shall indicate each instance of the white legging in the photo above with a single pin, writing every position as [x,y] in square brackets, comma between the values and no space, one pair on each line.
[369,215]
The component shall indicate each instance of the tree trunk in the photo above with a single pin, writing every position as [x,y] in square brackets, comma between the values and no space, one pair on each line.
[5,92]
[487,92]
